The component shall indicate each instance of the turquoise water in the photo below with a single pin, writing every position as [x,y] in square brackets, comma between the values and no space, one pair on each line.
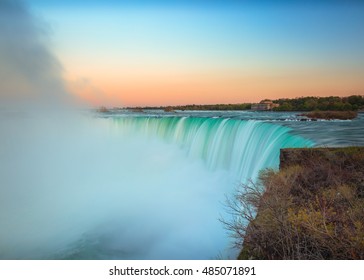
[243,147]
[138,186]
[323,133]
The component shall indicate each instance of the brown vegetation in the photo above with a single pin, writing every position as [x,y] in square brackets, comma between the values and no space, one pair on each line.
[313,208]
[169,109]
[331,115]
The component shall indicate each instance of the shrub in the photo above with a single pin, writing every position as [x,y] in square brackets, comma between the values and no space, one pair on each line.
[331,115]
[304,211]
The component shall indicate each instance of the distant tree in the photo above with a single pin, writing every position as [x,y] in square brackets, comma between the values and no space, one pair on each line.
[357,100]
[310,104]
[284,107]
[330,103]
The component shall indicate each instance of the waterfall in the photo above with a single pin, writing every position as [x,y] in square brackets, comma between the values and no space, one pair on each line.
[126,187]
[241,147]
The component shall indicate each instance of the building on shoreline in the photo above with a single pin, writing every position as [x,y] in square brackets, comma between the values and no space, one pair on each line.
[264,105]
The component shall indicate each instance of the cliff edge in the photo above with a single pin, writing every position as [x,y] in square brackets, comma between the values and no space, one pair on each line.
[312,208]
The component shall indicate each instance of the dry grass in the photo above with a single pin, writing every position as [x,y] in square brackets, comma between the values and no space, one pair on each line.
[310,210]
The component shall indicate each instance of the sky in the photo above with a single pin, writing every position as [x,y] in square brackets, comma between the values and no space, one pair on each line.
[153,53]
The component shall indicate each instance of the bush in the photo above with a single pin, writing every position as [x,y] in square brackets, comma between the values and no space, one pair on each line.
[304,211]
[330,115]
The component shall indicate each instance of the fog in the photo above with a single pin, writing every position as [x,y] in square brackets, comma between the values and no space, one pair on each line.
[84,192]
[30,75]
[73,187]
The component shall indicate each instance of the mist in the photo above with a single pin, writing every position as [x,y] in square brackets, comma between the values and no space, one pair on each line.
[30,75]
[85,192]
[71,187]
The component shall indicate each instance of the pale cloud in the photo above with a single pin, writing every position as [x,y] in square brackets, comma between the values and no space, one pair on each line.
[30,73]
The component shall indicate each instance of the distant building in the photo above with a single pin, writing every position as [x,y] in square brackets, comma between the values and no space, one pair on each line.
[264,105]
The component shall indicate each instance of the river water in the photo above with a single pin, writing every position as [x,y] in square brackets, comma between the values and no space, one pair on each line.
[150,185]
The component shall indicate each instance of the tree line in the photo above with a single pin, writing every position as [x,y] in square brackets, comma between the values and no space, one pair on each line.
[331,103]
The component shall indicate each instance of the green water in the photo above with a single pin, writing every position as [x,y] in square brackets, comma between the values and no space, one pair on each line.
[243,147]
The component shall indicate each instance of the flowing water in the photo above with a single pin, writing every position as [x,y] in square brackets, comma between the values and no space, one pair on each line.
[148,185]
[241,147]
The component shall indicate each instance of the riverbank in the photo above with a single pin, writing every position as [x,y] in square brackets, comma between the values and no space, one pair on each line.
[299,104]
[331,115]
[312,208]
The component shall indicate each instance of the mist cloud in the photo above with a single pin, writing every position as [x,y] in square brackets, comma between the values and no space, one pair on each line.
[71,187]
[30,73]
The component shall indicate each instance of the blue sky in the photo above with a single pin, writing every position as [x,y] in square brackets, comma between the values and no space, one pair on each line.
[250,47]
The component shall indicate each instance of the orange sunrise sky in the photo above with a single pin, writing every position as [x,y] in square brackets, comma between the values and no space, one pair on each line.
[172,53]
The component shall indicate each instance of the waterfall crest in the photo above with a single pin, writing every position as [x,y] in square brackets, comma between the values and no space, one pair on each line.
[242,147]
